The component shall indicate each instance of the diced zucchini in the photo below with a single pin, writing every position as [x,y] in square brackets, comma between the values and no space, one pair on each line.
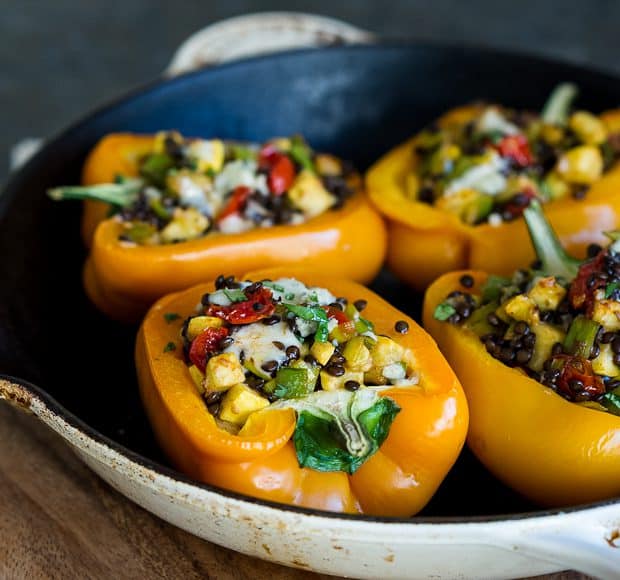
[313,372]
[322,351]
[581,165]
[555,187]
[374,376]
[198,378]
[309,195]
[186,224]
[520,307]
[290,383]
[604,364]
[395,371]
[239,403]
[199,323]
[546,337]
[357,355]
[607,314]
[386,351]
[478,321]
[546,293]
[469,205]
[223,371]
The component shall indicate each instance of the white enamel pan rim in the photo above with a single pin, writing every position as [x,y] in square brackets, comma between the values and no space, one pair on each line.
[30,398]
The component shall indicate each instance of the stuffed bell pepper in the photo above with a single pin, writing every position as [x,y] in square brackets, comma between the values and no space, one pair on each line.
[304,390]
[538,354]
[455,193]
[165,212]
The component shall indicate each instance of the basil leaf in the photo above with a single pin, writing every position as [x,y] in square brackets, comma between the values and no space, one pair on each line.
[171,317]
[170,347]
[492,288]
[443,311]
[313,314]
[340,430]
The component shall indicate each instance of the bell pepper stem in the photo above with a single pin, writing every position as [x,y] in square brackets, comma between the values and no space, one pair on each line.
[555,261]
[558,104]
[116,194]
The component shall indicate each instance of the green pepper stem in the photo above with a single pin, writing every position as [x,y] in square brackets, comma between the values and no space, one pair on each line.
[117,194]
[555,261]
[558,104]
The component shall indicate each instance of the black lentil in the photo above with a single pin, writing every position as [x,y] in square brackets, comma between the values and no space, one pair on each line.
[466,281]
[351,385]
[402,327]
[360,304]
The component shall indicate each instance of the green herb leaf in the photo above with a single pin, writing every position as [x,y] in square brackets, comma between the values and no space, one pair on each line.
[611,401]
[170,347]
[274,286]
[171,317]
[313,314]
[610,288]
[155,167]
[301,153]
[443,311]
[340,430]
[116,194]
[235,294]
[492,288]
[243,153]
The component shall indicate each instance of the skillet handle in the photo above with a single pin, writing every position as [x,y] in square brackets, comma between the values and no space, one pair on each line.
[585,540]
[262,33]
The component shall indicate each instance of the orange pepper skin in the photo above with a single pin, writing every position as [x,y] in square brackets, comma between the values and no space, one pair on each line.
[123,280]
[424,441]
[553,451]
[425,242]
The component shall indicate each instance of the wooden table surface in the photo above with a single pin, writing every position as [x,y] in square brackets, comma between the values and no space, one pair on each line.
[59,520]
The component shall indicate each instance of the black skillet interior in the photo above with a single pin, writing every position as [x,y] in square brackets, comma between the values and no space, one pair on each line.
[353,101]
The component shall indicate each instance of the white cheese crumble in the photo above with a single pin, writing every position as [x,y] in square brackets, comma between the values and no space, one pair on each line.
[485,177]
[493,120]
[237,173]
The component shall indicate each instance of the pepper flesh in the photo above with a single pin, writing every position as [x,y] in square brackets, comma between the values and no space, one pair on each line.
[123,280]
[424,441]
[425,242]
[551,450]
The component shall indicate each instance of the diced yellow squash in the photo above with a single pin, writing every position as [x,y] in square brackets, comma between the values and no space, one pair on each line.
[520,307]
[546,293]
[604,364]
[197,324]
[607,314]
[308,194]
[588,127]
[328,164]
[322,351]
[581,165]
[331,383]
[239,403]
[186,224]
[223,371]
[385,352]
[546,337]
[198,378]
[552,134]
[357,355]
[209,154]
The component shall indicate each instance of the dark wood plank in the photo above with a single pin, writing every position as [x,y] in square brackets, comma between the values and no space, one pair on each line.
[59,520]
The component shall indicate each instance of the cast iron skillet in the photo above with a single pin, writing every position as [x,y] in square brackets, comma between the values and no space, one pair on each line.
[356,102]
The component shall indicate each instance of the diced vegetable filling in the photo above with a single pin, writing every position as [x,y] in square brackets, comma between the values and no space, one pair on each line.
[259,346]
[558,321]
[490,167]
[188,188]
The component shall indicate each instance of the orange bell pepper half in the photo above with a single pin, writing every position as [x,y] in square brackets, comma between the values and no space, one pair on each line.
[425,242]
[123,280]
[398,480]
[551,450]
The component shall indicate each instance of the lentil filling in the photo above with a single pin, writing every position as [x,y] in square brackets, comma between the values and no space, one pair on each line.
[189,188]
[487,167]
[256,346]
[559,321]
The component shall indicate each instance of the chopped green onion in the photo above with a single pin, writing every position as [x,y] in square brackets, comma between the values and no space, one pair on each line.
[301,153]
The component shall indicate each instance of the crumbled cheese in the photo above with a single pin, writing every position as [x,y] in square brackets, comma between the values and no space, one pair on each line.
[394,372]
[495,219]
[240,172]
[295,292]
[493,120]
[234,224]
[191,194]
[256,342]
[485,177]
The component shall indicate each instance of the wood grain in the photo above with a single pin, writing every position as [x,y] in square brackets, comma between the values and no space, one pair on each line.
[59,520]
